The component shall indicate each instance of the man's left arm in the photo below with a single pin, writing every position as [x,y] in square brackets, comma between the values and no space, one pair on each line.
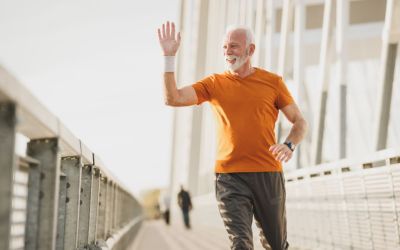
[283,152]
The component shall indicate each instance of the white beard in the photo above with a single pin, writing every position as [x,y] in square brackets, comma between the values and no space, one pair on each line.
[239,61]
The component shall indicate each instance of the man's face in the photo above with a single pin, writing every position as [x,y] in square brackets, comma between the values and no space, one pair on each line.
[235,51]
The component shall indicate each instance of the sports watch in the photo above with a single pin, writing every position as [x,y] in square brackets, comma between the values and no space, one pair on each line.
[290,145]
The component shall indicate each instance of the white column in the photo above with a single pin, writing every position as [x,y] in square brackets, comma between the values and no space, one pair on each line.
[270,32]
[298,70]
[200,64]
[342,21]
[323,80]
[250,13]
[259,33]
[287,15]
[390,42]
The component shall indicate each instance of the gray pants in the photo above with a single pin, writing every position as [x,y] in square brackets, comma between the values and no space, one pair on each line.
[242,195]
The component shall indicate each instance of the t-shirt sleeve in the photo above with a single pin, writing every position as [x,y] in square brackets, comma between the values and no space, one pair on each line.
[284,97]
[204,89]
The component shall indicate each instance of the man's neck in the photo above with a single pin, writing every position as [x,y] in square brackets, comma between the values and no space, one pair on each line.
[243,71]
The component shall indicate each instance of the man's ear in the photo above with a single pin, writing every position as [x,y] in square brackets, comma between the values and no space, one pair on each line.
[252,48]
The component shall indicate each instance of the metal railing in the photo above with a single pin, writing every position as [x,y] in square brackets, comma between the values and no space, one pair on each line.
[59,195]
[349,204]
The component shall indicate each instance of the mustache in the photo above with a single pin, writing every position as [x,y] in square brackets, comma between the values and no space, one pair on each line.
[231,57]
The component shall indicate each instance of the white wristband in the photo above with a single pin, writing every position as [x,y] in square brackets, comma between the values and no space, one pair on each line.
[169,63]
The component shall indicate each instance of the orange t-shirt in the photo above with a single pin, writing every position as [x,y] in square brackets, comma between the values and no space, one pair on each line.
[246,111]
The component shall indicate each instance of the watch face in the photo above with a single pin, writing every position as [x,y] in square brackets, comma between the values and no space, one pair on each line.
[290,145]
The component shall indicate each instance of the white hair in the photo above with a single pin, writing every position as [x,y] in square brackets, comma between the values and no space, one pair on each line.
[246,29]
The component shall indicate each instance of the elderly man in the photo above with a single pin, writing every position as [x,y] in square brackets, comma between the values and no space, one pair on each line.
[246,101]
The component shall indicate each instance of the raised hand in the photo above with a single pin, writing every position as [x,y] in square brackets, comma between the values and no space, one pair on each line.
[166,36]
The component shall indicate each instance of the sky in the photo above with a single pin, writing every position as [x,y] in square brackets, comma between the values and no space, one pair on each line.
[97,65]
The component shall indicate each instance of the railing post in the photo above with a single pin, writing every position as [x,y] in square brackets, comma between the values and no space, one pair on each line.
[94,205]
[114,196]
[116,207]
[62,202]
[7,169]
[46,151]
[72,167]
[31,227]
[102,209]
[108,210]
[84,214]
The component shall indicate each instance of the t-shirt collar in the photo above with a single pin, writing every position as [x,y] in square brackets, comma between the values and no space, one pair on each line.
[229,73]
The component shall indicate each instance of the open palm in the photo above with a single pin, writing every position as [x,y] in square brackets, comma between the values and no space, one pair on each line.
[166,36]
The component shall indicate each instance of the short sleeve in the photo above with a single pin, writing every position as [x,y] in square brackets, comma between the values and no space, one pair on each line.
[284,97]
[204,89]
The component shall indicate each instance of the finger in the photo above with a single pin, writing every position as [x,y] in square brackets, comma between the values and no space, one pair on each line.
[272,148]
[163,31]
[159,34]
[277,157]
[168,30]
[173,30]
[283,158]
[280,156]
[277,149]
[288,156]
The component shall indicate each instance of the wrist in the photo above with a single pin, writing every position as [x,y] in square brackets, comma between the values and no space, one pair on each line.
[169,63]
[290,145]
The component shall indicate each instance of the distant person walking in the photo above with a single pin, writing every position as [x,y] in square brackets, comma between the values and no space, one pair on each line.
[165,205]
[185,203]
[246,102]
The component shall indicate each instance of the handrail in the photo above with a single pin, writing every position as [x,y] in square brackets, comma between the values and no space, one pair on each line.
[351,203]
[344,165]
[80,203]
[36,121]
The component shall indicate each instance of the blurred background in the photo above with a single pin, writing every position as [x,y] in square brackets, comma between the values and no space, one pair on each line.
[96,66]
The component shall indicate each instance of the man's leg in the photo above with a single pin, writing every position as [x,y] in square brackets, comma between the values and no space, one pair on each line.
[263,240]
[186,218]
[269,208]
[235,206]
[167,216]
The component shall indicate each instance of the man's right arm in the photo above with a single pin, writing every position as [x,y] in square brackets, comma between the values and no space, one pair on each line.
[175,97]
[169,44]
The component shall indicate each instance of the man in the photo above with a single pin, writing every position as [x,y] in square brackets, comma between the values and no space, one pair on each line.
[185,203]
[246,102]
[165,204]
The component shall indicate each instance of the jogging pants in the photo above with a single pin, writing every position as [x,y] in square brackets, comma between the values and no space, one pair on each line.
[241,196]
